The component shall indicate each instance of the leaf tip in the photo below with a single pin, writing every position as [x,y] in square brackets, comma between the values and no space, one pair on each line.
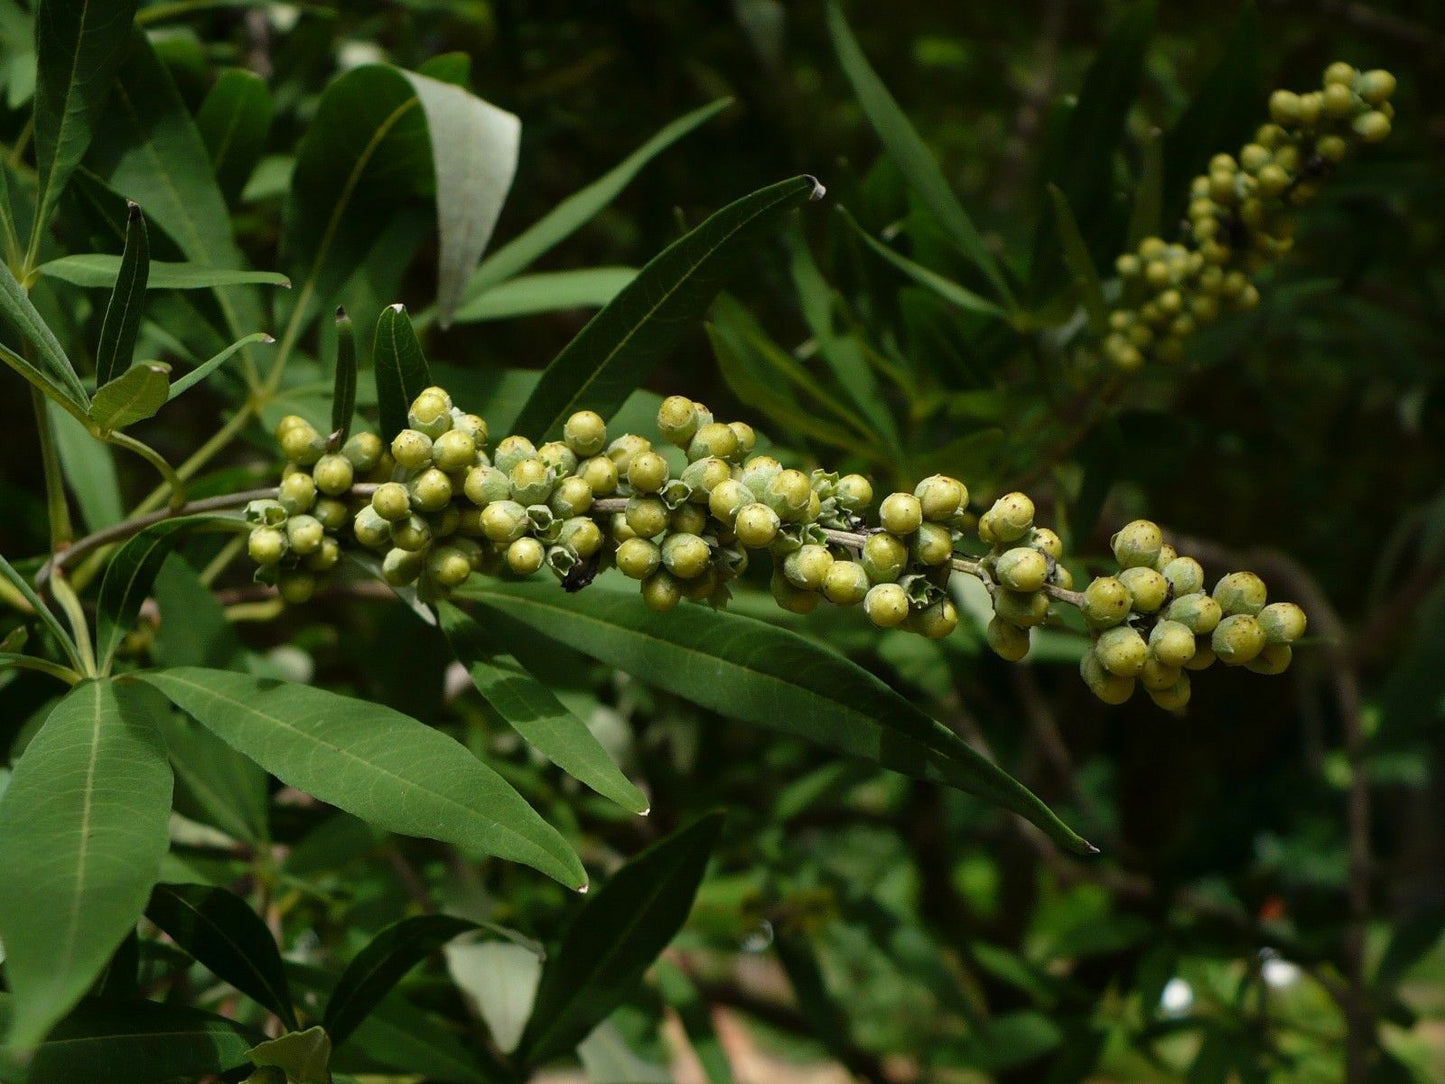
[132,210]
[819,190]
[341,312]
[582,888]
[398,308]
[267,337]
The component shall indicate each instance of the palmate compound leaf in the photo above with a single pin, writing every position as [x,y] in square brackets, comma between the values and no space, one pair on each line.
[761,674]
[85,817]
[374,762]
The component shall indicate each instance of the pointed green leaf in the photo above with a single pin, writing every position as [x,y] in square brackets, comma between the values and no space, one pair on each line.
[89,469]
[499,979]
[343,396]
[531,709]
[622,344]
[79,46]
[123,312]
[305,1056]
[474,156]
[85,817]
[43,612]
[907,149]
[765,675]
[401,369]
[684,998]
[945,288]
[233,122]
[615,937]
[548,291]
[1079,262]
[135,1042]
[96,269]
[131,397]
[373,762]
[55,370]
[210,365]
[224,935]
[581,207]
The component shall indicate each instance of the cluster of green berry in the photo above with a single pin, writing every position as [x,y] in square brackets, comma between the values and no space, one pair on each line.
[1025,560]
[1153,622]
[1241,215]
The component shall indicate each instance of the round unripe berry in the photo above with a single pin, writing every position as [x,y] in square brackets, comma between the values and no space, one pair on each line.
[646,516]
[525,556]
[715,438]
[900,513]
[647,472]
[585,433]
[1147,588]
[1284,108]
[1339,101]
[331,513]
[559,457]
[1238,639]
[688,519]
[686,556]
[1157,676]
[846,584]
[677,419]
[621,451]
[400,567]
[1283,622]
[431,412]
[1373,126]
[411,449]
[297,493]
[700,477]
[504,521]
[1024,609]
[370,528]
[1333,148]
[940,497]
[430,491]
[1137,545]
[854,492]
[932,545]
[1377,86]
[1022,569]
[473,426]
[757,472]
[1204,656]
[793,599]
[511,451]
[1107,686]
[1007,641]
[483,485]
[412,534]
[1240,593]
[1167,553]
[788,493]
[300,442]
[1047,542]
[1106,602]
[1196,611]
[1175,697]
[756,525]
[304,534]
[747,436]
[266,545]
[531,482]
[886,605]
[637,558]
[1172,643]
[727,499]
[454,451]
[935,621]
[326,557]
[807,567]
[571,497]
[661,593]
[1121,650]
[884,558]
[1272,659]
[1185,575]
[296,585]
[1340,72]
[1012,515]
[449,566]
[581,535]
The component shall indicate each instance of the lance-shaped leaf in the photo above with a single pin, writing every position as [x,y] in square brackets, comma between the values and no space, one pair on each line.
[135,1042]
[1079,262]
[759,673]
[123,312]
[224,935]
[210,365]
[378,967]
[305,1056]
[79,46]
[941,285]
[620,346]
[89,469]
[233,122]
[615,938]
[401,369]
[474,156]
[43,612]
[85,818]
[55,373]
[131,397]
[373,762]
[343,397]
[97,269]
[547,291]
[535,712]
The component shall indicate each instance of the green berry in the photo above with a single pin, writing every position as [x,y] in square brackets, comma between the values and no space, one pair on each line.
[300,442]
[845,584]
[1272,659]
[411,449]
[558,456]
[1012,516]
[716,439]
[1147,588]
[473,426]
[1047,542]
[1196,611]
[688,519]
[637,558]
[297,493]
[661,592]
[886,605]
[1172,643]
[370,528]
[1107,686]
[1283,622]
[647,472]
[304,534]
[1157,676]
[756,525]
[525,556]
[1007,641]
[1175,697]
[600,473]
[1185,576]
[1106,602]
[900,513]
[647,516]
[585,433]
[1022,569]
[431,412]
[504,521]
[531,481]
[1339,101]
[296,585]
[412,534]
[581,535]
[932,545]
[788,597]
[1240,593]
[758,471]
[400,567]
[1340,72]
[940,497]
[571,497]
[1121,650]
[511,451]
[854,492]
[727,499]
[1377,87]
[326,557]
[449,566]
[1373,126]
[936,620]
[454,451]
[703,475]
[621,451]
[431,490]
[1238,639]
[1204,656]
[331,513]
[1137,545]
[686,556]
[747,437]
[266,545]
[807,567]
[1024,609]
[884,558]
[484,485]
[677,420]
[1284,108]
[789,493]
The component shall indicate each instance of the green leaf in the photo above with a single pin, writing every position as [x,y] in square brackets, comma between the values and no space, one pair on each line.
[89,469]
[534,712]
[210,365]
[547,291]
[1079,262]
[96,269]
[85,816]
[379,966]
[59,374]
[945,288]
[43,612]
[233,122]
[474,156]
[581,207]
[401,369]
[623,343]
[79,47]
[305,1056]
[135,1042]
[343,395]
[373,762]
[500,979]
[615,937]
[906,147]
[223,934]
[765,675]
[127,299]
[684,998]
[131,397]
[129,576]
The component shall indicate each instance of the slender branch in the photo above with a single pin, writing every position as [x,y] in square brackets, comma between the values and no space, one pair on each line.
[174,481]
